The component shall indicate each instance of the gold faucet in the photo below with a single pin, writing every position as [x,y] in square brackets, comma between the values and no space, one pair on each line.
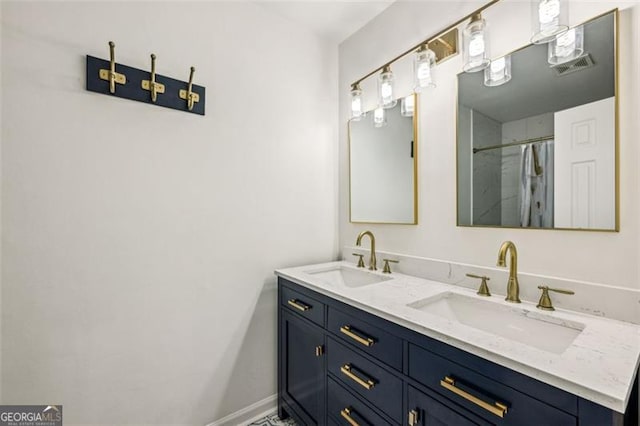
[513,288]
[372,259]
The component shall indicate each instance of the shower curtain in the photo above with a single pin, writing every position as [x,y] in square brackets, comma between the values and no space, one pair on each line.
[536,185]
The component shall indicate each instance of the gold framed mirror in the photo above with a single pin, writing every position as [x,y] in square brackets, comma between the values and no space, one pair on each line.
[383,159]
[541,150]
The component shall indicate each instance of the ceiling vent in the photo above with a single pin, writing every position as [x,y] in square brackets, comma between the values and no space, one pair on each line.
[580,63]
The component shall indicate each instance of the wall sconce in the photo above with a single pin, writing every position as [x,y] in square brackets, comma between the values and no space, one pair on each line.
[549,19]
[356,102]
[407,106]
[423,62]
[385,88]
[499,72]
[379,117]
[475,45]
[567,46]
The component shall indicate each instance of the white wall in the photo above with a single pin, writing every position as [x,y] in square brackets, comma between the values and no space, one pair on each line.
[139,242]
[610,258]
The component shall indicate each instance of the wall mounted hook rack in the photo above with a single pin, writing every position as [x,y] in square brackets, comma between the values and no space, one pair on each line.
[122,81]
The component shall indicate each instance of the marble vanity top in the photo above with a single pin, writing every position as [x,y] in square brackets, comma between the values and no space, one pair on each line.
[599,364]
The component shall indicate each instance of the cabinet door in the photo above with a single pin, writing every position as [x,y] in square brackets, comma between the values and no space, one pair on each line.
[426,411]
[302,369]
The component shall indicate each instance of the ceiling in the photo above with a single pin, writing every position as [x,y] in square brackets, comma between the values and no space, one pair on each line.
[334,20]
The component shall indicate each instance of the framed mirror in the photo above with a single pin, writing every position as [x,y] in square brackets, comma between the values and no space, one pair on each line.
[383,163]
[540,151]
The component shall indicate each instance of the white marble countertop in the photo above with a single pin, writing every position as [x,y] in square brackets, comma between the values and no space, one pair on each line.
[599,365]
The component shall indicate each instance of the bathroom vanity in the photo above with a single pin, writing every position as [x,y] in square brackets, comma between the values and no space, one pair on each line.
[365,348]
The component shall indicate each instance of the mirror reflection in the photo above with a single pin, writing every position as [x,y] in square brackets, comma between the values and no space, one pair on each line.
[383,158]
[539,149]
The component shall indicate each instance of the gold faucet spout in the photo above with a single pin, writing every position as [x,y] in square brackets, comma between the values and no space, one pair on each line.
[513,287]
[372,259]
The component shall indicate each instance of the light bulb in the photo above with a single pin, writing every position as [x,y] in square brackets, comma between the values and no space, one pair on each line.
[407,106]
[549,19]
[567,46]
[385,88]
[356,102]
[475,45]
[379,117]
[423,62]
[499,72]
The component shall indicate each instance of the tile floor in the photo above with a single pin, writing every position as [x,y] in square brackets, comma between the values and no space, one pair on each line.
[273,420]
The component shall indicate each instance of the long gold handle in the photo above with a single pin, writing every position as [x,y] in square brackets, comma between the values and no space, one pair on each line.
[112,67]
[152,85]
[496,408]
[190,91]
[367,384]
[367,341]
[346,414]
[298,305]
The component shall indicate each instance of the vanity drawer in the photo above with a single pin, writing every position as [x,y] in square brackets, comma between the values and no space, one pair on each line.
[303,305]
[372,382]
[366,337]
[343,405]
[489,399]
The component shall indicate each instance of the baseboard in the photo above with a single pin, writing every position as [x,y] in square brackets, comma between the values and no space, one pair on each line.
[249,414]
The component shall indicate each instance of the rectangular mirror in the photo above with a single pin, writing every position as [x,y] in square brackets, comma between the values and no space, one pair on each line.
[540,151]
[382,164]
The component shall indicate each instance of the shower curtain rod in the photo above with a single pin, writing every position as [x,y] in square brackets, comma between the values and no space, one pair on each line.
[524,142]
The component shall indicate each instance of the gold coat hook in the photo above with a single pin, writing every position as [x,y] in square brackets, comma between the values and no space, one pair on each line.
[151,85]
[191,97]
[111,75]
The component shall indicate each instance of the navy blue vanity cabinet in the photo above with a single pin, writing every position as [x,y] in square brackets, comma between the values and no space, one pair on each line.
[301,372]
[424,410]
[340,365]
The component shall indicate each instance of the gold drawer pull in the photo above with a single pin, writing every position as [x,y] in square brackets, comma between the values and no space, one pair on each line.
[299,305]
[496,408]
[367,341]
[346,414]
[367,384]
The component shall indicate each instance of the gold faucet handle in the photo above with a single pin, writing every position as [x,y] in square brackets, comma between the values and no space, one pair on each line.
[484,288]
[545,301]
[387,267]
[360,259]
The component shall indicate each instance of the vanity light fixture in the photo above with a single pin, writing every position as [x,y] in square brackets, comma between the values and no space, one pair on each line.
[475,45]
[423,62]
[567,46]
[499,72]
[356,102]
[549,19]
[379,117]
[385,88]
[407,106]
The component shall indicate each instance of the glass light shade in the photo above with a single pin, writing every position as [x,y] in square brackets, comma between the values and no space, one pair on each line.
[356,102]
[499,72]
[475,45]
[423,62]
[385,88]
[407,106]
[567,46]
[379,117]
[549,19]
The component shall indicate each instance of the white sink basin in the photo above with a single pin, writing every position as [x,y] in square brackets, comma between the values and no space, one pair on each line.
[515,323]
[348,277]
